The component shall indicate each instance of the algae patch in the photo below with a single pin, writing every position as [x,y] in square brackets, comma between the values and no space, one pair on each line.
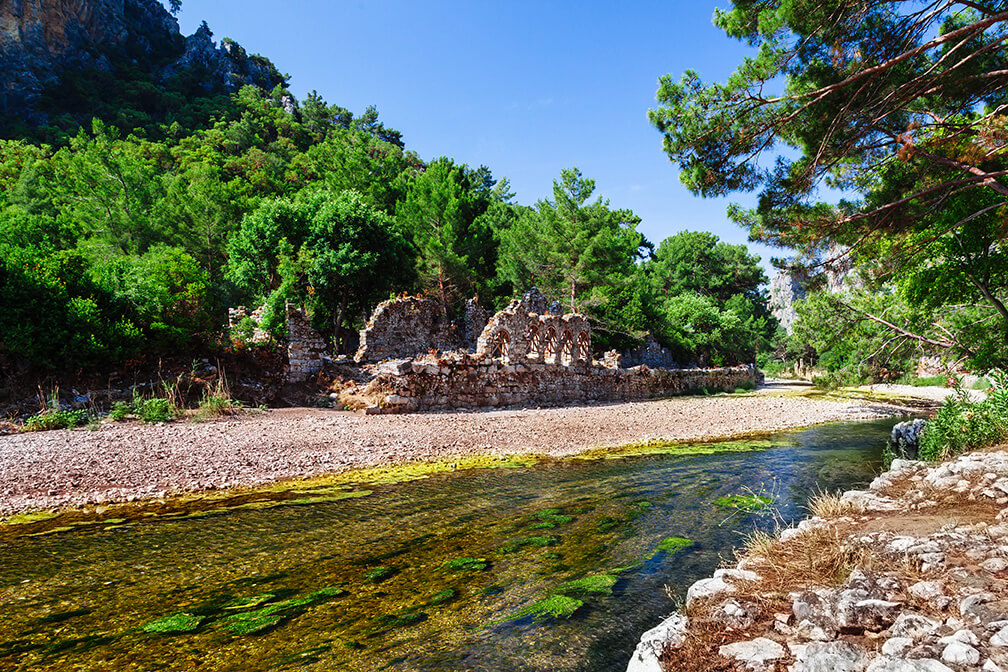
[175,624]
[672,545]
[747,503]
[466,564]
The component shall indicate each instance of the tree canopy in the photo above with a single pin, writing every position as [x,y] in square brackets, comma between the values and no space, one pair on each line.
[898,108]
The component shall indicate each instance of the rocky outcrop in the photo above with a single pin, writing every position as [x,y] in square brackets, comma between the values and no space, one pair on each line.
[785,291]
[909,575]
[39,41]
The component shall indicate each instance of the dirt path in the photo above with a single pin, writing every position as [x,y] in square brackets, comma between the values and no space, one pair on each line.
[127,461]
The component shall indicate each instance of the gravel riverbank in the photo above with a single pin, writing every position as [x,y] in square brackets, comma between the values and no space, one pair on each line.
[128,461]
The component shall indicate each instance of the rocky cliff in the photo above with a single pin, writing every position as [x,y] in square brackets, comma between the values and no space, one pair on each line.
[40,41]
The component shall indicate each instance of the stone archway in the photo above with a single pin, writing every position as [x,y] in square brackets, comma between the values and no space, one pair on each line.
[533,339]
[567,348]
[500,344]
[549,345]
[583,347]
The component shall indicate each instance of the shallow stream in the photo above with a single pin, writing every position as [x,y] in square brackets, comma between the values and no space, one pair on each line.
[556,565]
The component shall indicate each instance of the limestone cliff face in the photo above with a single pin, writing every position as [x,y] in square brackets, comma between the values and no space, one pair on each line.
[40,39]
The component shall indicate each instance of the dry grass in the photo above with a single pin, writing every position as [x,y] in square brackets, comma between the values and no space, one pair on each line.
[830,505]
[820,556]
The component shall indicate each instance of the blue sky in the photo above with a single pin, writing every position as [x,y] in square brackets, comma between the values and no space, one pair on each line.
[526,88]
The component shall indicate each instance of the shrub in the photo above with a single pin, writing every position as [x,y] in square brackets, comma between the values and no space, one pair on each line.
[155,409]
[56,419]
[119,410]
[961,424]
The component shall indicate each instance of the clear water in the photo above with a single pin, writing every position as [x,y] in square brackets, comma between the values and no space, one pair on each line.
[367,583]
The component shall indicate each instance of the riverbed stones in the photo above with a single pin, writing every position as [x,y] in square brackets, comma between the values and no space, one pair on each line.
[756,655]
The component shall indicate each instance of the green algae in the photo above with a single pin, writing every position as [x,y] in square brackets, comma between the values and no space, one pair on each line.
[249,602]
[30,517]
[747,503]
[547,519]
[593,584]
[466,564]
[516,545]
[443,597]
[179,623]
[672,545]
[378,574]
[401,619]
[553,606]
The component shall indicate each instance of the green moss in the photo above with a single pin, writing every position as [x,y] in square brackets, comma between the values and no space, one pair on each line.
[254,622]
[743,502]
[593,584]
[672,545]
[443,597]
[466,564]
[553,606]
[174,624]
[518,544]
[548,519]
[378,574]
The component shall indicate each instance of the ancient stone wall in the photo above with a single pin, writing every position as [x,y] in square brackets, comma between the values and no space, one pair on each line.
[651,354]
[412,326]
[305,346]
[462,380]
[238,315]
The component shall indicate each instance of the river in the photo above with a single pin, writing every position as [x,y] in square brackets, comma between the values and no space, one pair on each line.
[557,565]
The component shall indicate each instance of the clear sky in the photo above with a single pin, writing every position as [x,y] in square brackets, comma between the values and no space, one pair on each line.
[526,88]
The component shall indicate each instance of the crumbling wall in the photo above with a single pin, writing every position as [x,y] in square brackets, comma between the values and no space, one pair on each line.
[306,348]
[406,327]
[518,334]
[237,315]
[462,380]
[651,354]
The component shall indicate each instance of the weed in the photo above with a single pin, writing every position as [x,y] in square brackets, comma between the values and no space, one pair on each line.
[831,505]
[119,411]
[56,419]
[154,409]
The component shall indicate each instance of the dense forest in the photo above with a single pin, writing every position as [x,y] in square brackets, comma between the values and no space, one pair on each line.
[122,237]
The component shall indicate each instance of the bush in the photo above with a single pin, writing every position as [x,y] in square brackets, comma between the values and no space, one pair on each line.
[961,424]
[155,409]
[56,419]
[119,410]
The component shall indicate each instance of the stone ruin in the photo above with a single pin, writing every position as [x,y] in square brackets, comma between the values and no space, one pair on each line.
[526,354]
[520,333]
[306,349]
[408,326]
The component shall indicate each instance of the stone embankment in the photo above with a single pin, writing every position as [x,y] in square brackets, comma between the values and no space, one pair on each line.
[910,575]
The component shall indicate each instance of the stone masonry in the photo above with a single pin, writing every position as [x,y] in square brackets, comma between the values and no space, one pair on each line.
[410,326]
[305,347]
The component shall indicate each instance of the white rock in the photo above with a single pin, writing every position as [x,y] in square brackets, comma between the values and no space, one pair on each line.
[1000,638]
[926,590]
[913,625]
[897,646]
[991,666]
[964,636]
[884,664]
[669,632]
[738,574]
[755,654]
[957,653]
[809,630]
[705,588]
[830,657]
[994,565]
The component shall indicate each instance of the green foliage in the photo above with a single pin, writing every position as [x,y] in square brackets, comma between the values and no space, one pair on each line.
[119,410]
[961,425]
[569,247]
[154,409]
[890,104]
[745,503]
[56,418]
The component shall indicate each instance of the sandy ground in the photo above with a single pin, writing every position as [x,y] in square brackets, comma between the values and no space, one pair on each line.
[127,461]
